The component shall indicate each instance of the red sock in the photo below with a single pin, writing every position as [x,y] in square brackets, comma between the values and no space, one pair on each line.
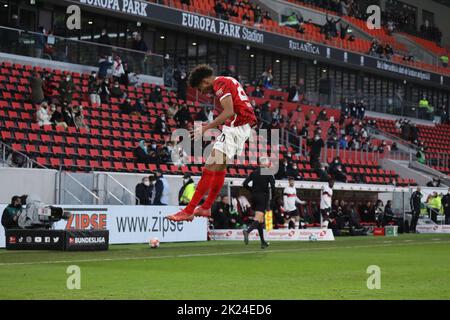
[203,186]
[217,184]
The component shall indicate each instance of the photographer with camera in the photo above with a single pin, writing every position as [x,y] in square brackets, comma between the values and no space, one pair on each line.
[11,213]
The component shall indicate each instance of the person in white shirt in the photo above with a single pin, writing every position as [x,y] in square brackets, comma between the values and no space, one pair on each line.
[290,200]
[326,195]
[117,68]
[43,115]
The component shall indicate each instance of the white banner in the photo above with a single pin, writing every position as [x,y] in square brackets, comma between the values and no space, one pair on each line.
[433,228]
[130,224]
[286,235]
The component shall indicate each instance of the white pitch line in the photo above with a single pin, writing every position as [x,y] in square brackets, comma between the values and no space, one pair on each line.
[193,255]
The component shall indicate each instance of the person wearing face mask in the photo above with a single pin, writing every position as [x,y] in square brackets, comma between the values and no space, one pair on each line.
[116,91]
[144,192]
[336,170]
[156,95]
[117,68]
[316,146]
[187,190]
[158,187]
[37,88]
[446,206]
[125,107]
[282,169]
[104,91]
[68,115]
[11,213]
[43,115]
[292,171]
[160,125]
[57,118]
[141,153]
[183,116]
[66,89]
[258,93]
[94,88]
[39,42]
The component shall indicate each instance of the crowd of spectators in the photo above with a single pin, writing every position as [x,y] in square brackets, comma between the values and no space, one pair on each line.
[153,190]
[229,8]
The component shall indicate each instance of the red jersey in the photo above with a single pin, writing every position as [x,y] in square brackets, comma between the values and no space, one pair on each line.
[243,110]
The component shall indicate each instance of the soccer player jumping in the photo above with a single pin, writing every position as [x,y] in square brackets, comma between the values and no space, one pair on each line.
[238,118]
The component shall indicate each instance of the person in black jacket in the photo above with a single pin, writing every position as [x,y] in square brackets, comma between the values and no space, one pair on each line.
[260,198]
[415,201]
[181,78]
[316,148]
[11,213]
[446,205]
[144,192]
[158,188]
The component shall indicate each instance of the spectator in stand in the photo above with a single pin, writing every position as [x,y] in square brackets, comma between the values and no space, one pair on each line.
[282,170]
[316,149]
[245,18]
[126,107]
[105,41]
[39,43]
[116,91]
[187,190]
[202,115]
[47,86]
[337,170]
[292,171]
[258,15]
[160,125]
[388,51]
[68,115]
[379,213]
[37,92]
[179,156]
[360,110]
[172,110]
[140,107]
[219,9]
[117,69]
[104,91]
[267,78]
[79,117]
[156,95]
[444,60]
[183,116]
[159,187]
[57,118]
[43,115]
[389,215]
[257,93]
[144,192]
[141,152]
[104,63]
[343,30]
[277,117]
[435,183]
[181,79]
[94,88]
[267,16]
[66,89]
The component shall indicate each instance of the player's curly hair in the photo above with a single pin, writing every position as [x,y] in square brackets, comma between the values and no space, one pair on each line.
[199,73]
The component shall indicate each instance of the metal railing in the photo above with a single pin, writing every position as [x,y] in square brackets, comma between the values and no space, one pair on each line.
[14,158]
[95,198]
[32,44]
[124,190]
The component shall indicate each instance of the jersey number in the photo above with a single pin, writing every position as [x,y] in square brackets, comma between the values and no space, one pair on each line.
[240,90]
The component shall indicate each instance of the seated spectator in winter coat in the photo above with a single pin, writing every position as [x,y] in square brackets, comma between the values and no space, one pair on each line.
[57,118]
[141,153]
[367,212]
[282,170]
[292,171]
[140,107]
[43,115]
[172,110]
[156,95]
[144,192]
[104,91]
[94,88]
[37,88]
[66,89]
[160,125]
[68,115]
[183,116]
[116,92]
[336,170]
[79,117]
[221,214]
[258,93]
[126,107]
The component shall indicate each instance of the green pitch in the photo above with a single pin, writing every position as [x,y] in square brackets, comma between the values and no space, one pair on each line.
[412,267]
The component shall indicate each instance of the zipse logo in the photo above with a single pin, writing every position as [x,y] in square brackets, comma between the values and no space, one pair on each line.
[128,6]
[86,221]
